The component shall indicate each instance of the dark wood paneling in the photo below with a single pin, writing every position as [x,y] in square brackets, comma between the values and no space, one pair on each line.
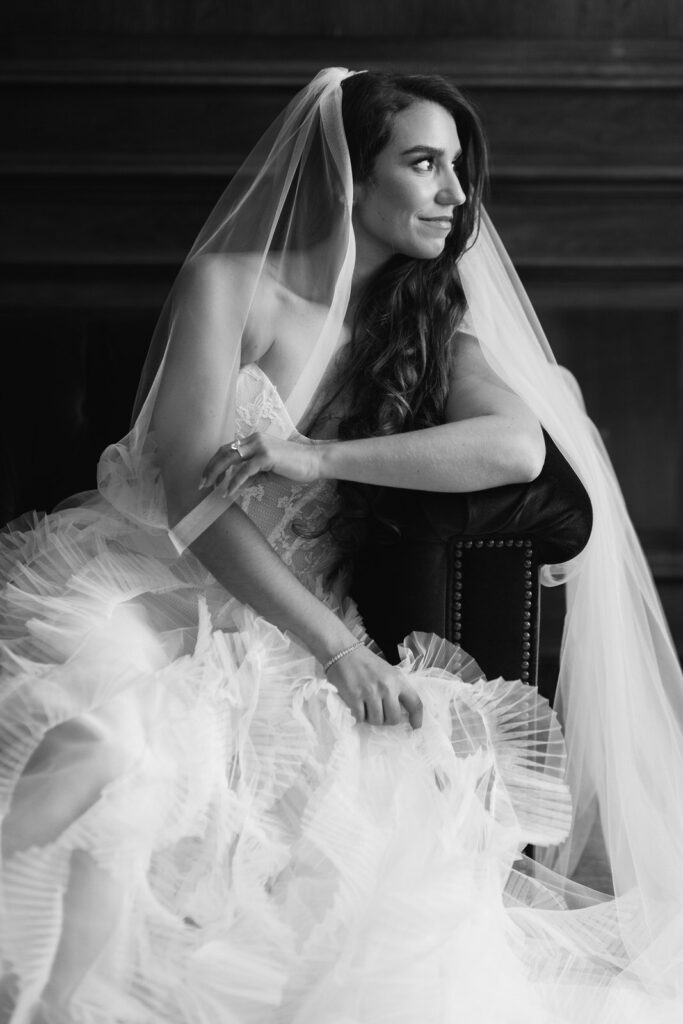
[79,221]
[630,366]
[291,62]
[120,132]
[69,384]
[502,18]
[590,225]
[108,126]
[115,163]
[83,221]
[600,132]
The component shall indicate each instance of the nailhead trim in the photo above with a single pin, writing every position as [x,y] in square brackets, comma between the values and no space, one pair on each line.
[526,614]
[527,604]
[456,624]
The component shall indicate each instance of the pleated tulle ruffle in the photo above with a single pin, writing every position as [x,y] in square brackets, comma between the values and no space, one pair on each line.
[196,831]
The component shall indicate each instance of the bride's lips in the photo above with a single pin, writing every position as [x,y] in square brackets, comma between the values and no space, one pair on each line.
[445,223]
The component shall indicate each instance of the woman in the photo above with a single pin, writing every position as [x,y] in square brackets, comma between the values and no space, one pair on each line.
[220,803]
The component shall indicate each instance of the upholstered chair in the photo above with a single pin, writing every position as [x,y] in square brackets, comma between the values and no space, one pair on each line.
[466,566]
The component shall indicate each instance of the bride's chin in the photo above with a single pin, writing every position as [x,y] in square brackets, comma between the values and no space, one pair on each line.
[425,249]
[430,252]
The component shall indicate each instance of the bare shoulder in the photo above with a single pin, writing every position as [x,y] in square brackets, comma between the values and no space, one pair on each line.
[246,299]
[468,361]
[475,388]
[222,274]
[235,292]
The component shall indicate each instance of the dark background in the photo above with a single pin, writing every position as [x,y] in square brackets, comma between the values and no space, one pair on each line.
[121,121]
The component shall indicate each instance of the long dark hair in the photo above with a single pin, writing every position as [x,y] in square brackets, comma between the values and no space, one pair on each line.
[394,371]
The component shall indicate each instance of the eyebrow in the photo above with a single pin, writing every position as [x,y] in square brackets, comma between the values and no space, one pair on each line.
[431,150]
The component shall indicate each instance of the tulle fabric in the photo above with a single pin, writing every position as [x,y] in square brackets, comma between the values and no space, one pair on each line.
[287,217]
[164,750]
[283,223]
[196,830]
[620,688]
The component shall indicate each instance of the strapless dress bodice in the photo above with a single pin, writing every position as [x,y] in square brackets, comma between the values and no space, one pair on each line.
[292,516]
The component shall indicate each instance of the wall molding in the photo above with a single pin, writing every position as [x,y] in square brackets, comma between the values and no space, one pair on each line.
[203,168]
[266,62]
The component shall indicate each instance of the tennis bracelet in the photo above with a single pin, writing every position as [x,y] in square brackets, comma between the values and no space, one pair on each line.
[342,654]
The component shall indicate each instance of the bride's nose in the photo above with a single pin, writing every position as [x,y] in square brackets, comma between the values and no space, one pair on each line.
[453,195]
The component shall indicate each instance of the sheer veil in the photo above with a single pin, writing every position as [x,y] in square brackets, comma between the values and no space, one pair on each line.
[285,222]
[620,688]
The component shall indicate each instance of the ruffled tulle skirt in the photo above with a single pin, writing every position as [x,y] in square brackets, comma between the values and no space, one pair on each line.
[196,830]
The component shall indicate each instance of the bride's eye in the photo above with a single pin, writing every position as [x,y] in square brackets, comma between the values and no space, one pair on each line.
[426,163]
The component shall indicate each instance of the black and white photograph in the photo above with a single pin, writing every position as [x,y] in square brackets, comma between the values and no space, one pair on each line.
[341,512]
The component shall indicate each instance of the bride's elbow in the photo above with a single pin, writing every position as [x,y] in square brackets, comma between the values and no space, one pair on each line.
[527,455]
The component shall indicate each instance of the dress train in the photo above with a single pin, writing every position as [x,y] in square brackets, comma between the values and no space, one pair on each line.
[197,831]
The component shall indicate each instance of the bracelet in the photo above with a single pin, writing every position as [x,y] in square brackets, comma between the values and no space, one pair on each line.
[342,654]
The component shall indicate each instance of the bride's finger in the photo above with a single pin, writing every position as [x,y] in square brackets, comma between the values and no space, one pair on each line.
[228,455]
[393,713]
[413,705]
[357,709]
[242,473]
[374,711]
[216,468]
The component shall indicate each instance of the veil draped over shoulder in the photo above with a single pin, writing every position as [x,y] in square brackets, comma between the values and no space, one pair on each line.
[285,220]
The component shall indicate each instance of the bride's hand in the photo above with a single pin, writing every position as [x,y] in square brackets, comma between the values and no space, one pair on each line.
[375,691]
[260,453]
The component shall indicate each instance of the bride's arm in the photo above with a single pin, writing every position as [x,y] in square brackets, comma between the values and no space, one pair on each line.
[187,420]
[240,558]
[237,554]
[491,438]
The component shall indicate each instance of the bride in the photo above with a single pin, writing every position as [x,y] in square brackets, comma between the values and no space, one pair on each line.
[219,802]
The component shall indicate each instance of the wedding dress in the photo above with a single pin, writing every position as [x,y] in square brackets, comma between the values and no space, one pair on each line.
[230,845]
[194,828]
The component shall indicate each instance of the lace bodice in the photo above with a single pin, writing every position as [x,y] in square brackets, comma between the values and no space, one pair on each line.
[288,514]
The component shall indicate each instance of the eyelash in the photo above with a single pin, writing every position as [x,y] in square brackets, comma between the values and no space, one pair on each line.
[457,164]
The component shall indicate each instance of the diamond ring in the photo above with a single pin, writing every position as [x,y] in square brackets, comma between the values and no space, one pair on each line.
[236,447]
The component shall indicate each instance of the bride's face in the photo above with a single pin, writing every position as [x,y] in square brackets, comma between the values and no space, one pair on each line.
[409,203]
